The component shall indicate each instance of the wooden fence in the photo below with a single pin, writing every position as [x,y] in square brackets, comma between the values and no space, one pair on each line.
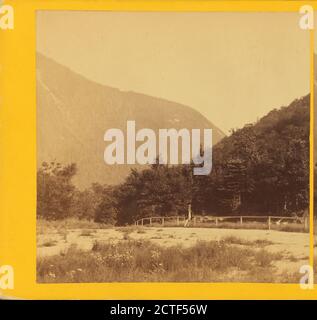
[217,221]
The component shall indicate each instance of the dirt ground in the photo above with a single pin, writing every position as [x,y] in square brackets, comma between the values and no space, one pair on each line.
[294,247]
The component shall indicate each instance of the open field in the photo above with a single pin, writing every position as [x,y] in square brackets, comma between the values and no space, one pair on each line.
[95,254]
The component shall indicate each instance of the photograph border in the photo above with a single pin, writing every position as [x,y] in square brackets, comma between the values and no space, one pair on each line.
[18,178]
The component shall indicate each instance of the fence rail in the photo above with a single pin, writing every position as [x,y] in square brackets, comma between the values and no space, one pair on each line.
[216,221]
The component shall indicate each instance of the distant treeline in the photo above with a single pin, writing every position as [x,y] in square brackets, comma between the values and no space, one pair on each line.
[260,169]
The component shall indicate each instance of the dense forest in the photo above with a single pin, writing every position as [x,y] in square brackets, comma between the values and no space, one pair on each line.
[260,169]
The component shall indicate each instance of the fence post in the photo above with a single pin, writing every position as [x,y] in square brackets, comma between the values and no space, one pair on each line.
[241,221]
[216,221]
[178,221]
[306,223]
[142,221]
[162,221]
[150,222]
[269,222]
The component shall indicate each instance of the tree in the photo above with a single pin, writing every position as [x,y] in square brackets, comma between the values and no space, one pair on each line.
[55,190]
[106,209]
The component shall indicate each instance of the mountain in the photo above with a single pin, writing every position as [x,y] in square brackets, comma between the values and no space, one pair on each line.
[264,167]
[73,114]
[280,127]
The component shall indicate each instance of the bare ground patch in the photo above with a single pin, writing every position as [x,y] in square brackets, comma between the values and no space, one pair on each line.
[279,255]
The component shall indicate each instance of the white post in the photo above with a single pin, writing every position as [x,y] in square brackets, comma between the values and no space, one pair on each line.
[306,223]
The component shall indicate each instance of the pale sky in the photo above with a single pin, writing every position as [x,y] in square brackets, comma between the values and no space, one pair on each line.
[231,67]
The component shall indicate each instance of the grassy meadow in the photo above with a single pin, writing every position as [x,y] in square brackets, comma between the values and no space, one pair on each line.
[83,251]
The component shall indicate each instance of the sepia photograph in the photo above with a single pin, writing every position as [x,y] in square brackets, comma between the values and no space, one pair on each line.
[172,147]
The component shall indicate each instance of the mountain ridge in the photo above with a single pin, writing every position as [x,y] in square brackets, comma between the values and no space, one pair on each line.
[74,112]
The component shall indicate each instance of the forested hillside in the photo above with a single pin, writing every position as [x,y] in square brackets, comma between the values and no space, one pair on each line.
[260,169]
